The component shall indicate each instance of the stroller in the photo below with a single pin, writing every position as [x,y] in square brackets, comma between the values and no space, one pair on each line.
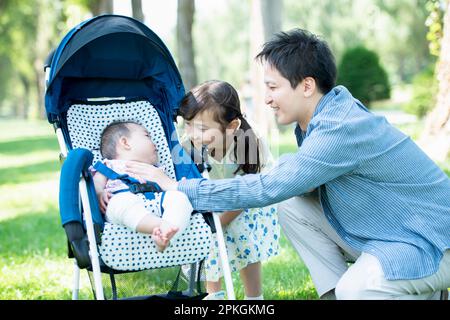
[106,69]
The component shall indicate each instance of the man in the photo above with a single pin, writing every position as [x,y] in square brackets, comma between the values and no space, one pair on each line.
[377,197]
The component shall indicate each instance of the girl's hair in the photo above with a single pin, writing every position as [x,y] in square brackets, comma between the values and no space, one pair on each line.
[220,98]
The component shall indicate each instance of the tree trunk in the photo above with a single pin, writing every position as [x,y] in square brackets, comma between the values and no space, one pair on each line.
[272,13]
[98,7]
[41,50]
[24,113]
[136,6]
[265,20]
[185,47]
[436,138]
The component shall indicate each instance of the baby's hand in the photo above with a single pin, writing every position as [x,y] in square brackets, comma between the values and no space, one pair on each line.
[103,200]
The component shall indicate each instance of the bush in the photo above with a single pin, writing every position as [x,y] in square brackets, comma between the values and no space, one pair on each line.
[424,89]
[361,72]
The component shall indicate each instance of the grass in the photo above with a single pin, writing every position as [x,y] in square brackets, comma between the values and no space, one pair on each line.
[33,252]
[33,249]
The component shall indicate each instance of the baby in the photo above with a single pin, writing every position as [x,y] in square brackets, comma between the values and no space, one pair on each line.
[129,141]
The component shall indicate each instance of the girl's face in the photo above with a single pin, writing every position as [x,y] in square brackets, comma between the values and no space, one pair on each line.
[204,130]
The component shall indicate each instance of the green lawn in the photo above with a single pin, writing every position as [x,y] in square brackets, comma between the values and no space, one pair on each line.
[33,254]
[33,261]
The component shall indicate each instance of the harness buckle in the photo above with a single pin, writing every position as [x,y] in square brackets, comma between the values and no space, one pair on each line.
[144,187]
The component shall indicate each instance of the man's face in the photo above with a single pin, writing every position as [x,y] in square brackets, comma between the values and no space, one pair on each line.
[284,101]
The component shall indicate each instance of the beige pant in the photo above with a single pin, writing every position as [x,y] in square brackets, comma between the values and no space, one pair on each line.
[325,254]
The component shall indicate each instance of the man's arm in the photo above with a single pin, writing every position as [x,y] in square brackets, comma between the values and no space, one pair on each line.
[328,152]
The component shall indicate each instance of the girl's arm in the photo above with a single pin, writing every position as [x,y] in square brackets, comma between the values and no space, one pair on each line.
[228,216]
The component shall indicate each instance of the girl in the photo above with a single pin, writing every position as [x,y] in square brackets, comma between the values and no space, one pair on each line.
[213,119]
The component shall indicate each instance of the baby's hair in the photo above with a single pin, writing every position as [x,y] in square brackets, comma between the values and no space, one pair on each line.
[111,135]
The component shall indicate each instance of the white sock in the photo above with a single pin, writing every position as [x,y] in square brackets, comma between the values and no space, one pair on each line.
[219,295]
[260,297]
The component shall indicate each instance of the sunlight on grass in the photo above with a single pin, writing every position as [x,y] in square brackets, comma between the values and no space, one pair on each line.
[33,247]
[12,161]
[32,197]
[40,277]
[18,129]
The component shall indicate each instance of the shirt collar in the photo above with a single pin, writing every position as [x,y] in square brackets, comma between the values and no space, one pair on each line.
[323,102]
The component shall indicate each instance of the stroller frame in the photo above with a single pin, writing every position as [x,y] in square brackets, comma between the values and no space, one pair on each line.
[85,207]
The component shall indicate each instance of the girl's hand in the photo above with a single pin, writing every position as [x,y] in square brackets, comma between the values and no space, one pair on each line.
[150,173]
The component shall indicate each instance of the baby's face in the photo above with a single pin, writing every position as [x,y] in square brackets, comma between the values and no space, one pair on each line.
[142,146]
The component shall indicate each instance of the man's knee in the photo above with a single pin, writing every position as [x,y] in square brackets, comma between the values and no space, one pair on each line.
[350,289]
[362,280]
[284,211]
[296,210]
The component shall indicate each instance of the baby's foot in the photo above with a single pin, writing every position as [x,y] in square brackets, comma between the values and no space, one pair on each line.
[162,236]
[160,242]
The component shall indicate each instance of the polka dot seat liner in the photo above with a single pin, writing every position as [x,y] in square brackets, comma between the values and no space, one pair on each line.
[122,248]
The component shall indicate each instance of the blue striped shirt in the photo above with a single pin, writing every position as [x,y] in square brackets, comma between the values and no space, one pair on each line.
[378,189]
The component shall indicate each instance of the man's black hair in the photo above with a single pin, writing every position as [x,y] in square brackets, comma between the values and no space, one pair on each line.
[298,54]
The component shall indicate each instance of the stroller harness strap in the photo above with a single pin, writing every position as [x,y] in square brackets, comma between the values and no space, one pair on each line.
[134,186]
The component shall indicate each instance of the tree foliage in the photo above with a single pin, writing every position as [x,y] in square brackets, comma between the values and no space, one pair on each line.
[424,89]
[434,23]
[395,29]
[361,72]
[222,42]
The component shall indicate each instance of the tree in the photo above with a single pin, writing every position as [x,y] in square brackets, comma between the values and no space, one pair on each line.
[18,29]
[136,6]
[361,72]
[272,15]
[395,29]
[185,48]
[265,20]
[98,7]
[436,137]
[223,52]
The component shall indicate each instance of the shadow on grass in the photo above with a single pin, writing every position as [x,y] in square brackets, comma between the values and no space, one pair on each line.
[29,173]
[28,239]
[32,234]
[28,145]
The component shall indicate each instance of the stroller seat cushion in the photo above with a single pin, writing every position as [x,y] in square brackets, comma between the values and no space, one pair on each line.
[122,248]
[86,122]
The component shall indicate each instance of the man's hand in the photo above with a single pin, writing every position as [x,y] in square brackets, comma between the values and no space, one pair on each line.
[151,173]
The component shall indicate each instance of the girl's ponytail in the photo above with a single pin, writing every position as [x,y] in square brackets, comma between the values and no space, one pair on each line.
[246,148]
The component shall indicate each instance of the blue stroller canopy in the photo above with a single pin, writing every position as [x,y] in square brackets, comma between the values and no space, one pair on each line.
[112,56]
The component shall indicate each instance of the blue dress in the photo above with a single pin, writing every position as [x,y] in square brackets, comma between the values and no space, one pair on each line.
[252,236]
